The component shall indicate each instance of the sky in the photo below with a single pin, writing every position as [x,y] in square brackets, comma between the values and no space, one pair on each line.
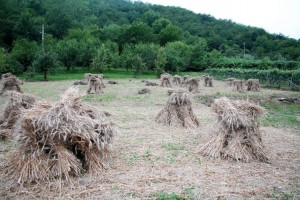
[275,16]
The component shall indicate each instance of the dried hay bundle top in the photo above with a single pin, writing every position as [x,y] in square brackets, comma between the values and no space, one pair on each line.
[237,134]
[87,77]
[184,81]
[230,81]
[96,84]
[176,80]
[59,140]
[253,85]
[193,85]
[165,80]
[181,97]
[238,86]
[207,80]
[178,111]
[85,80]
[16,104]
[165,74]
[236,114]
[6,75]
[10,83]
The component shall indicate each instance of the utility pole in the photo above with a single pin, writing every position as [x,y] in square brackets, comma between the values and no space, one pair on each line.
[43,36]
[244,50]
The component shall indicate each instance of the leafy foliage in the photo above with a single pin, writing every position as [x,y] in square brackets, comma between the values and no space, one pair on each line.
[75,29]
[45,62]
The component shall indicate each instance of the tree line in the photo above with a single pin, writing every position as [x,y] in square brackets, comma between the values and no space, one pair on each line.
[103,34]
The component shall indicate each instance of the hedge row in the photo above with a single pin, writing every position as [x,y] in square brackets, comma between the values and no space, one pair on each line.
[256,64]
[273,78]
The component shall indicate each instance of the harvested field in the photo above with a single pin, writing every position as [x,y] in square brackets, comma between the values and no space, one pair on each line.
[149,158]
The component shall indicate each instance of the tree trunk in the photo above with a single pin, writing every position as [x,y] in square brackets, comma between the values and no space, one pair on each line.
[45,75]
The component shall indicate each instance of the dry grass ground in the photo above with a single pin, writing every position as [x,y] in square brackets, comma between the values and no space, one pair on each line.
[149,158]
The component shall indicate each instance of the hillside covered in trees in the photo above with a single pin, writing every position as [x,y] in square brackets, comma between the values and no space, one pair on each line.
[130,34]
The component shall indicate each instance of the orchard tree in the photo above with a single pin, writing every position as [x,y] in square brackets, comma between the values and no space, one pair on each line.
[148,53]
[139,32]
[170,34]
[24,52]
[45,62]
[178,56]
[160,61]
[102,59]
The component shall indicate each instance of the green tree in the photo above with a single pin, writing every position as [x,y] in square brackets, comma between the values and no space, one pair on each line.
[102,59]
[45,62]
[170,34]
[139,32]
[69,52]
[148,53]
[137,64]
[160,61]
[150,16]
[112,32]
[24,52]
[178,56]
[213,58]
[160,24]
[199,51]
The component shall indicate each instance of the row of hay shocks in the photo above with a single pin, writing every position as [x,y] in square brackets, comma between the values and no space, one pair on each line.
[237,135]
[57,140]
[54,140]
[191,84]
[274,78]
[238,85]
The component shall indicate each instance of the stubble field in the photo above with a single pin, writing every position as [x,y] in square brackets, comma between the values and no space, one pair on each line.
[151,161]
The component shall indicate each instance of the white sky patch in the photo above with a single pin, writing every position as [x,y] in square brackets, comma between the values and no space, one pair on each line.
[275,16]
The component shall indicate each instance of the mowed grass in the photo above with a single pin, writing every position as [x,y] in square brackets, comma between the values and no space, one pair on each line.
[281,114]
[151,161]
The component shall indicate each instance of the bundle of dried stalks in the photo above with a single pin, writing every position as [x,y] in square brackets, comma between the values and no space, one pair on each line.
[59,140]
[208,81]
[237,135]
[6,75]
[184,80]
[101,77]
[144,91]
[16,104]
[10,83]
[230,81]
[165,80]
[80,82]
[176,80]
[253,85]
[178,111]
[96,84]
[238,86]
[87,77]
[193,85]
[112,82]
[148,83]
[84,81]
[170,91]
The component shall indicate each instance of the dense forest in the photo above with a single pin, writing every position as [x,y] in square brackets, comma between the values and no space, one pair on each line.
[102,34]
